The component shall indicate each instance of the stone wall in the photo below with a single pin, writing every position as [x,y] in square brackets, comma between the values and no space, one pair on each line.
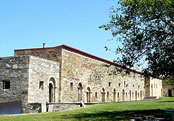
[64,106]
[25,74]
[14,70]
[32,108]
[54,54]
[98,80]
[42,71]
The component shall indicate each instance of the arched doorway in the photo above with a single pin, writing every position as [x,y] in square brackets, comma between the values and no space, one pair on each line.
[135,95]
[80,92]
[114,95]
[103,95]
[123,95]
[130,97]
[88,93]
[126,96]
[141,95]
[118,96]
[51,90]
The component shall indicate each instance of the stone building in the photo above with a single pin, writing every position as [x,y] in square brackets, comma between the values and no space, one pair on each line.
[39,76]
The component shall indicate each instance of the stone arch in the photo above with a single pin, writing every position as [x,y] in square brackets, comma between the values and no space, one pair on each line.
[80,88]
[88,95]
[52,86]
[114,95]
[103,94]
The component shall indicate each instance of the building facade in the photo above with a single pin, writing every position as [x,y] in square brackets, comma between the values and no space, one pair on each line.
[64,74]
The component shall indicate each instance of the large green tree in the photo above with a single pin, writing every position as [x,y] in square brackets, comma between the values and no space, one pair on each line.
[146,30]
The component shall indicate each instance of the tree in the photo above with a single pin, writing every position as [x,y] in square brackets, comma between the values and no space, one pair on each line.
[146,30]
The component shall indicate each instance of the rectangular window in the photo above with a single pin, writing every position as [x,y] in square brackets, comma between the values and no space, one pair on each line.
[6,84]
[41,85]
[71,86]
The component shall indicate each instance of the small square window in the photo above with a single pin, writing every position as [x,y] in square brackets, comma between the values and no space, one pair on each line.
[41,85]
[6,84]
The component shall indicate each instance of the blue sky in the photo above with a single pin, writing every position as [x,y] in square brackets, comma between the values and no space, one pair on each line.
[29,23]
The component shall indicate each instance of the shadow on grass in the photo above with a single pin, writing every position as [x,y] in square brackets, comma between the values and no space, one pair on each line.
[114,116]
[166,101]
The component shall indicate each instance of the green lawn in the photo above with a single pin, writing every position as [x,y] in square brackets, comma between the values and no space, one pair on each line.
[108,111]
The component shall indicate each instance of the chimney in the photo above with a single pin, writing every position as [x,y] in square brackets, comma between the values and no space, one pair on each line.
[43,45]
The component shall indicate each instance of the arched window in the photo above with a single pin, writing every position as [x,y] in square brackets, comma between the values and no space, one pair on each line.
[71,86]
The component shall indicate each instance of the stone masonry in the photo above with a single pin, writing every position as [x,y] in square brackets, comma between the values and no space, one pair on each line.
[87,78]
[24,74]
[66,75]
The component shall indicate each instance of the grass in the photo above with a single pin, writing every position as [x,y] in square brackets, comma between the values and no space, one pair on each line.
[108,111]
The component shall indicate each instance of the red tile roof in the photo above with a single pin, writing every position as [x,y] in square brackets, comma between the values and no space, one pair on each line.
[85,54]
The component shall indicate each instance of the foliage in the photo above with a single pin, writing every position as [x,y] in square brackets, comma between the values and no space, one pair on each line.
[107,111]
[146,30]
